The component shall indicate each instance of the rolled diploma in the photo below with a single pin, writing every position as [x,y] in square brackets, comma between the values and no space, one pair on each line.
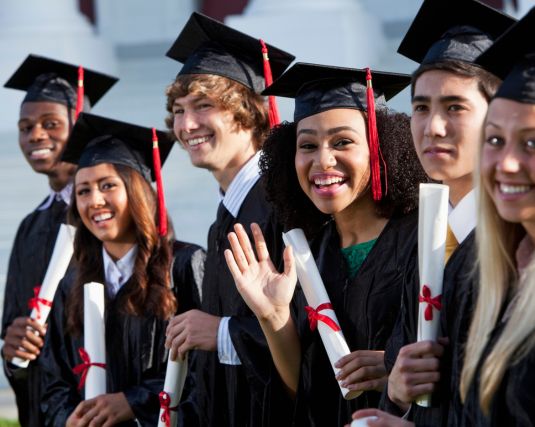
[363,422]
[61,257]
[315,294]
[94,338]
[432,230]
[175,377]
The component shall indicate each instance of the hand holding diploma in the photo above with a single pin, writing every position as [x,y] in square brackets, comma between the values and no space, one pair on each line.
[41,302]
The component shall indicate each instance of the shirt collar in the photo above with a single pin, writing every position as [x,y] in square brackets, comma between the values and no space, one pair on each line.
[117,273]
[240,186]
[64,194]
[462,218]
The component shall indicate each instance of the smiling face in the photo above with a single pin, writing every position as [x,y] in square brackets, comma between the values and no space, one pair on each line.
[43,133]
[508,160]
[211,136]
[447,117]
[102,203]
[332,159]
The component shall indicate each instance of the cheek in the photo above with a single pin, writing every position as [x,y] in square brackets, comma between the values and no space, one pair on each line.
[488,167]
[417,126]
[301,169]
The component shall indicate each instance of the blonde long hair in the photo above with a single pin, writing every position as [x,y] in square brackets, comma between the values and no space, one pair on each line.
[497,241]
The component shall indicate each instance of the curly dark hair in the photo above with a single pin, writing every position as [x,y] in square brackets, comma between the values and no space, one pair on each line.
[295,209]
[487,83]
[249,109]
[148,291]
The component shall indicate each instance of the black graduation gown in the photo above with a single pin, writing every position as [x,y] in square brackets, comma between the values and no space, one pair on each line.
[136,357]
[457,305]
[30,255]
[513,404]
[366,308]
[238,395]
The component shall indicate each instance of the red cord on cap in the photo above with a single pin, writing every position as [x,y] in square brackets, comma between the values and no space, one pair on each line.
[162,216]
[373,138]
[274,118]
[80,93]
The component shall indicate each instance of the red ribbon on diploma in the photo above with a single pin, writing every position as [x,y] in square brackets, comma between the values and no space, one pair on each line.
[83,368]
[432,302]
[314,316]
[165,404]
[35,302]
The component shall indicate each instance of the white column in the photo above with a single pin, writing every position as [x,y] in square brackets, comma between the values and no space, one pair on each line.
[52,28]
[333,32]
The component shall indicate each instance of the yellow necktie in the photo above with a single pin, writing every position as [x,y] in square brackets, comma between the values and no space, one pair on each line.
[451,245]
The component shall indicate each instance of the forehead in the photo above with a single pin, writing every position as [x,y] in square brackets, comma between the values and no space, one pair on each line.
[94,173]
[512,113]
[38,109]
[436,83]
[336,117]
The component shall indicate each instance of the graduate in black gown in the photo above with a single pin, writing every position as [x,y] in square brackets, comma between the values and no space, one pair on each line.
[123,241]
[450,96]
[220,119]
[499,365]
[46,117]
[319,172]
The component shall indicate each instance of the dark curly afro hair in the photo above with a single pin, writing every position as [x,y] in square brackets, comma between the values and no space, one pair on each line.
[295,209]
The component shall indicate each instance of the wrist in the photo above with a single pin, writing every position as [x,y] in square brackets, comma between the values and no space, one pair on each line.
[276,320]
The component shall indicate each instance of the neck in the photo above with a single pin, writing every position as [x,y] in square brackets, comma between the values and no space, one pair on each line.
[59,180]
[117,250]
[359,222]
[459,188]
[225,176]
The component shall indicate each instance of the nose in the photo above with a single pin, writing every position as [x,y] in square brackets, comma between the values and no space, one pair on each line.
[186,122]
[37,133]
[96,199]
[509,160]
[326,158]
[435,126]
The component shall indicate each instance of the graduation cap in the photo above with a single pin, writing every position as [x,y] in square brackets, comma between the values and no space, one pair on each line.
[512,58]
[46,79]
[95,140]
[452,30]
[206,46]
[317,88]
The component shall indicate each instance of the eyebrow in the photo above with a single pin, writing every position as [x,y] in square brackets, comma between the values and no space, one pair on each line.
[331,131]
[449,98]
[100,180]
[42,116]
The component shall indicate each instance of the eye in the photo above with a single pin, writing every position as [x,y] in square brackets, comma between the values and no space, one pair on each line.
[343,142]
[419,108]
[25,128]
[204,105]
[494,141]
[50,124]
[306,145]
[108,185]
[178,110]
[530,144]
[456,107]
[82,191]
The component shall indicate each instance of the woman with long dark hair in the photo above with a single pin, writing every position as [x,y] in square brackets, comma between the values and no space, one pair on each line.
[118,243]
[353,194]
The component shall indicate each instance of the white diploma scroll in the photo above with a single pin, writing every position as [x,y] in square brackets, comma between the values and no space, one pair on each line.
[175,377]
[432,230]
[94,339]
[362,422]
[316,296]
[61,257]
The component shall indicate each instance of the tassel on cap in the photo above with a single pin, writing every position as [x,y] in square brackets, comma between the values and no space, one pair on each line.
[373,138]
[162,215]
[80,93]
[274,118]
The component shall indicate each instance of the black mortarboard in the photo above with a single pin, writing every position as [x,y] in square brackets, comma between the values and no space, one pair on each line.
[318,88]
[46,79]
[95,140]
[206,46]
[452,30]
[512,58]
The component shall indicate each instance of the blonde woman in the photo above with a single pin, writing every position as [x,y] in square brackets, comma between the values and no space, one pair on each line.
[499,366]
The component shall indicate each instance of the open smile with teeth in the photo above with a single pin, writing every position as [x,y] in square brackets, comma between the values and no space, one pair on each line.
[196,141]
[325,182]
[40,153]
[514,189]
[102,217]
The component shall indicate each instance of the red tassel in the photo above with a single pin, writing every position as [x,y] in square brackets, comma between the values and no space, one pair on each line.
[162,216]
[80,93]
[274,118]
[373,139]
